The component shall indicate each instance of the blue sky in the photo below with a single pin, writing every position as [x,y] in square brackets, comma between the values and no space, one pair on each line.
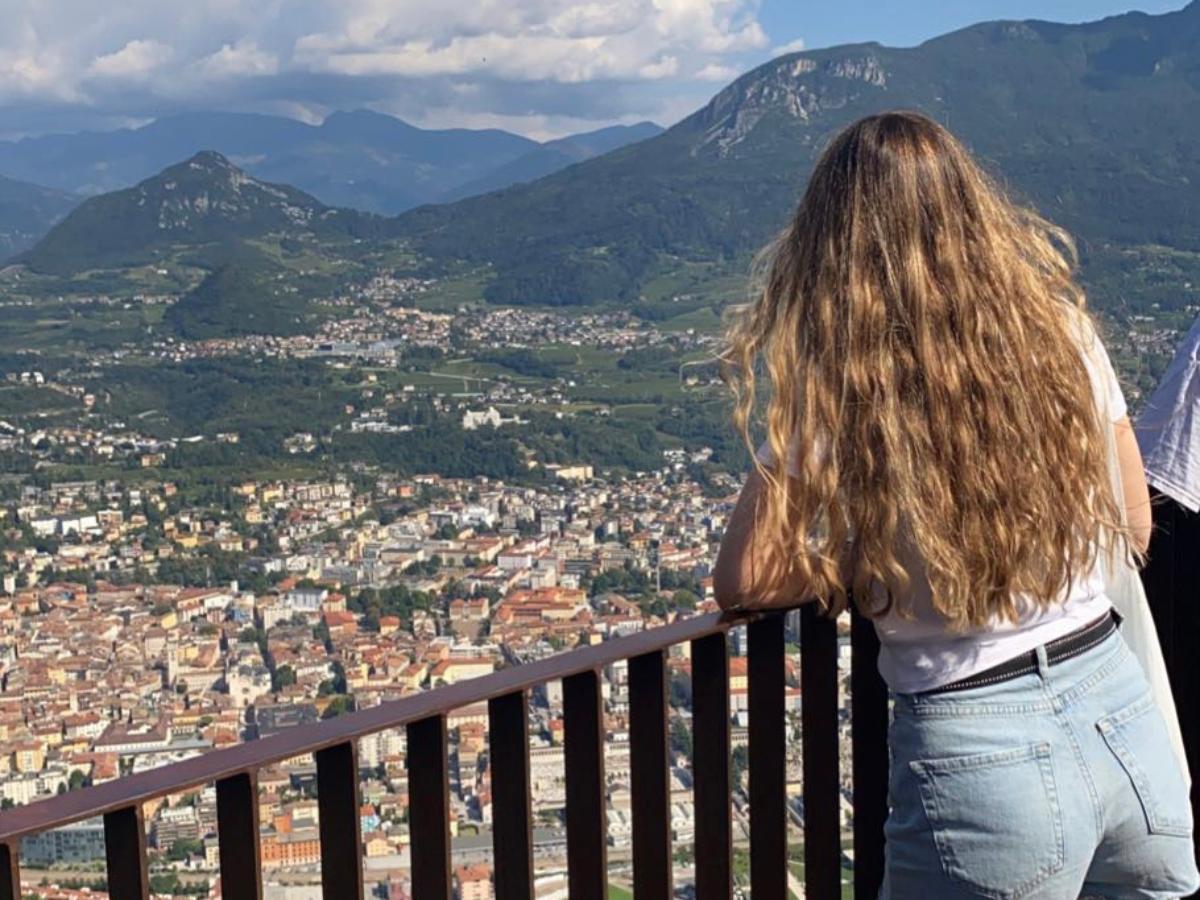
[543,68]
[908,24]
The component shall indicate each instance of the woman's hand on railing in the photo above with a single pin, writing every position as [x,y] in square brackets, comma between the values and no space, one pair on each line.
[746,577]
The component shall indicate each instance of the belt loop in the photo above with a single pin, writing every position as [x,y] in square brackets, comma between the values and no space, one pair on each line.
[1043,662]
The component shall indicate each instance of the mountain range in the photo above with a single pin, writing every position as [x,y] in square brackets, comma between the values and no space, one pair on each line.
[28,211]
[247,256]
[360,159]
[555,155]
[1095,124]
[203,201]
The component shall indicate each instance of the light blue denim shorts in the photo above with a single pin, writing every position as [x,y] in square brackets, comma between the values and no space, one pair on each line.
[1054,785]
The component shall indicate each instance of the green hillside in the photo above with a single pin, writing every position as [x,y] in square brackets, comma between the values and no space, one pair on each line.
[1094,123]
[202,200]
[244,256]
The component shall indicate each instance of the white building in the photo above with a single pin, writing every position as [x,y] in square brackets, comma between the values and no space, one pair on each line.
[473,420]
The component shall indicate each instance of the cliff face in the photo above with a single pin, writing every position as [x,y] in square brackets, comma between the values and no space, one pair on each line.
[208,186]
[795,86]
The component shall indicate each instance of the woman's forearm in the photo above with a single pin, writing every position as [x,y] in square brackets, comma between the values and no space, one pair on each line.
[745,576]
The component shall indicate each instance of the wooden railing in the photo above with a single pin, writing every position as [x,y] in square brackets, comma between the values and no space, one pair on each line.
[334,745]
[1172,579]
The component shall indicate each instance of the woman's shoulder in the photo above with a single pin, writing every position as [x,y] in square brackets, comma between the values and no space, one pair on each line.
[1105,384]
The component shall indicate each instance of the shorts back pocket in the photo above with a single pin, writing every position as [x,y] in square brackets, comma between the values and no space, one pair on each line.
[996,819]
[1137,736]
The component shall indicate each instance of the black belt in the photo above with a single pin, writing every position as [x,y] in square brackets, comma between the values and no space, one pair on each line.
[1083,638]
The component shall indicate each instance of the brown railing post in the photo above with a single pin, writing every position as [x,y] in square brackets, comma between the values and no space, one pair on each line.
[429,808]
[710,733]
[508,759]
[768,763]
[869,740]
[338,807]
[819,724]
[125,853]
[237,834]
[650,776]
[587,824]
[10,872]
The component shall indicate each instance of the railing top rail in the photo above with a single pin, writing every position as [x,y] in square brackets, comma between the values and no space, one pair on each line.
[66,809]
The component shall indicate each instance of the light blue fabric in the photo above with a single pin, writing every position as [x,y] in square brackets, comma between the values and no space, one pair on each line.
[1050,786]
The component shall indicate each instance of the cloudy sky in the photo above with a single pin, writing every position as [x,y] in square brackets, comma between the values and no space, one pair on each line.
[538,67]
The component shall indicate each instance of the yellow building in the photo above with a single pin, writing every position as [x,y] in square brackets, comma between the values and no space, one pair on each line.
[29,756]
[376,845]
[450,671]
[413,676]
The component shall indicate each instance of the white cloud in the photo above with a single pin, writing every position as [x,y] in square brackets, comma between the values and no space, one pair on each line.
[567,41]
[245,58]
[712,26]
[138,59]
[302,112]
[63,61]
[532,58]
[717,72]
[29,68]
[663,68]
[790,47]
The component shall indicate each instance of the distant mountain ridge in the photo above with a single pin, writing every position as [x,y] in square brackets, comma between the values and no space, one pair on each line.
[359,159]
[1095,123]
[554,155]
[244,256]
[28,211]
[204,200]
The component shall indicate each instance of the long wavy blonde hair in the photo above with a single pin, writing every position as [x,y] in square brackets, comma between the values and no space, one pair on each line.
[920,333]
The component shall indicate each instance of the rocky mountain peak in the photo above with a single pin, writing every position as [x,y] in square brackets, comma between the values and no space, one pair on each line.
[209,185]
[797,86]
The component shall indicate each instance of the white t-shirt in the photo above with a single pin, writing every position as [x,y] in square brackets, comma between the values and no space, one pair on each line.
[1168,430]
[919,654]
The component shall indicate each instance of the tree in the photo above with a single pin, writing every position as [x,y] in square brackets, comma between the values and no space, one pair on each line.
[321,633]
[684,599]
[741,762]
[283,677]
[681,738]
[340,704]
[339,679]
[680,697]
[184,848]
